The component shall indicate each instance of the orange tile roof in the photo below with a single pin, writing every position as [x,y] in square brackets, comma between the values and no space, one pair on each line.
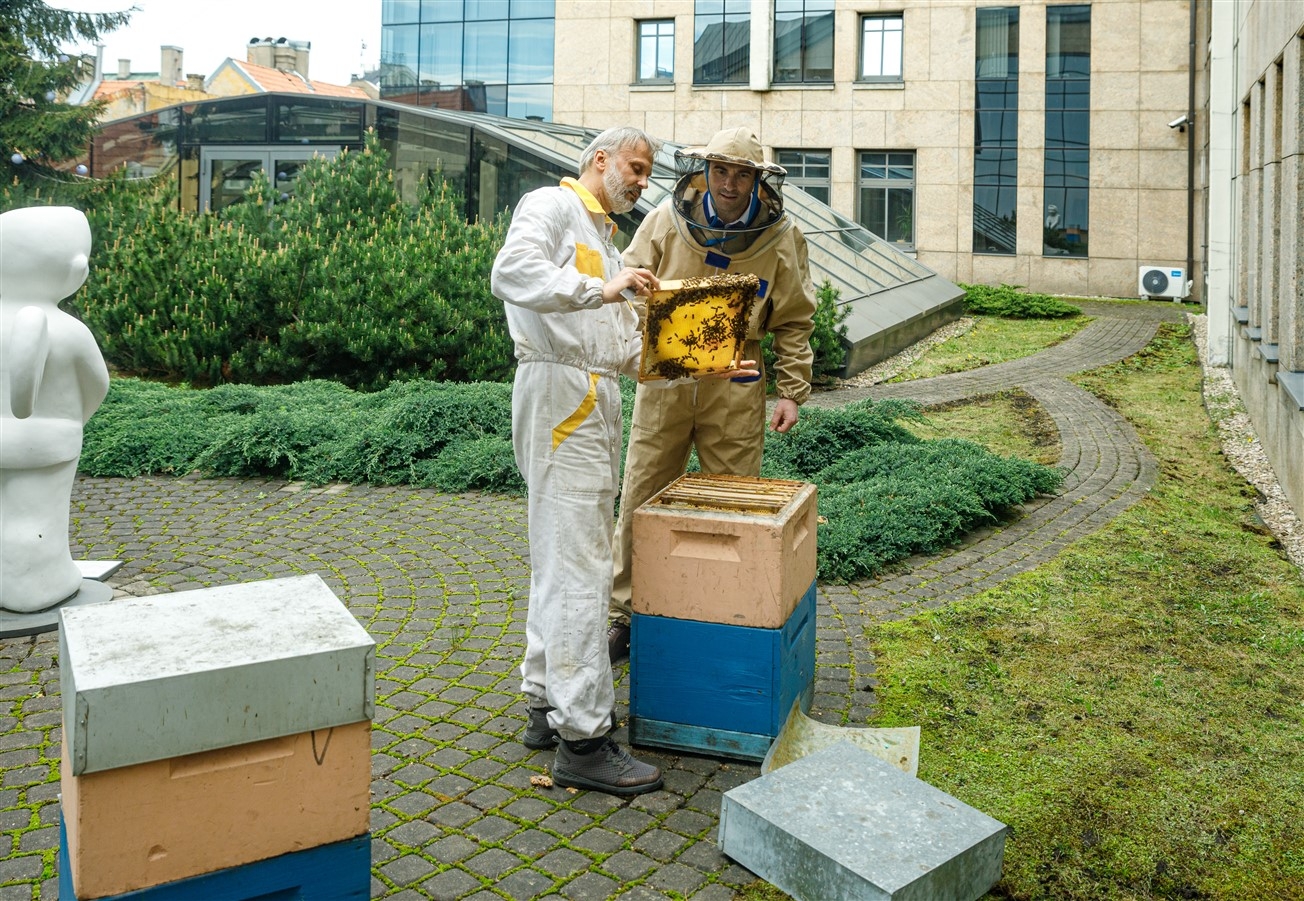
[274,80]
[109,88]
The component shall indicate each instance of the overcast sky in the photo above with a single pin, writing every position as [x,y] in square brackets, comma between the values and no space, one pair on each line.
[209,32]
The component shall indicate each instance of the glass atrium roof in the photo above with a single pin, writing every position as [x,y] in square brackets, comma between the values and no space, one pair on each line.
[893,298]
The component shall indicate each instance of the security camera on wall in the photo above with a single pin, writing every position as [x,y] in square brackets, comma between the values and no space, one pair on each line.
[1180,122]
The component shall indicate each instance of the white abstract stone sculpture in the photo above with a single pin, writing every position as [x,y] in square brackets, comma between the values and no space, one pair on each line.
[52,378]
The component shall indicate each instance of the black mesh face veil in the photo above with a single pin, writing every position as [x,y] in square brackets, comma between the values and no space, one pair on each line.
[691,187]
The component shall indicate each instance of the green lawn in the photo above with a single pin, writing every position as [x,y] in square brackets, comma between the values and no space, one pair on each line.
[1134,709]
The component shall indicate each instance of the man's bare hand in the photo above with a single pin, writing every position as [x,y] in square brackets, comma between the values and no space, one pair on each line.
[640,281]
[746,369]
[785,414]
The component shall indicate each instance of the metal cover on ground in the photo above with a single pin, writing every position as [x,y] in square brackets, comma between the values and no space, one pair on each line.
[801,735]
[172,674]
[841,823]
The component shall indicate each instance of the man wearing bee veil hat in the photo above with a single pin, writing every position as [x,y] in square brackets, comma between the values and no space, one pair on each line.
[725,216]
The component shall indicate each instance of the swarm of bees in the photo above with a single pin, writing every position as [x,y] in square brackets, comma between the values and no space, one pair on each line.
[697,326]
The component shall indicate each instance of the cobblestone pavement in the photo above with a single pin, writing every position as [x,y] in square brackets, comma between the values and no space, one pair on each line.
[440,581]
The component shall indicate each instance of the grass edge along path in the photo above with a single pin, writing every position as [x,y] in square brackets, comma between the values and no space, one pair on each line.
[1133,708]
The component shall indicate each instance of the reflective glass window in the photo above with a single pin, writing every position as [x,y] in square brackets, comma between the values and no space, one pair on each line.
[503,174]
[997,39]
[881,39]
[140,146]
[656,51]
[229,178]
[529,101]
[996,131]
[441,56]
[886,189]
[530,51]
[484,52]
[1068,42]
[441,10]
[722,36]
[422,148]
[241,121]
[808,170]
[399,12]
[398,58]
[473,55]
[485,98]
[1066,195]
[803,41]
[336,121]
[533,9]
[995,201]
[483,10]
[996,117]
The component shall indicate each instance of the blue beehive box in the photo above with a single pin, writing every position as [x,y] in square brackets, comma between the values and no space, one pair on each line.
[340,871]
[723,690]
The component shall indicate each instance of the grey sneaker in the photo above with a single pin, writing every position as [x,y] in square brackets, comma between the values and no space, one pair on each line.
[601,765]
[539,735]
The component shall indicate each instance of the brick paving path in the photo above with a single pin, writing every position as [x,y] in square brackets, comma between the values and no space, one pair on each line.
[440,581]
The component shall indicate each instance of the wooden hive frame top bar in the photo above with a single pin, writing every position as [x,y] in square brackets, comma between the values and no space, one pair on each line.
[723,492]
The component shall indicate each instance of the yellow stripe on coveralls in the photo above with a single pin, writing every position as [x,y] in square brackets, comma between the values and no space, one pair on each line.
[562,432]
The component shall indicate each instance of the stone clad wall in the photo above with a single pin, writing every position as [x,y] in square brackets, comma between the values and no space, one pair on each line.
[1261,53]
[1139,83]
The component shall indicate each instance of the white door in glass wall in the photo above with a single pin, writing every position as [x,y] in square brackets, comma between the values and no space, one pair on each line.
[225,173]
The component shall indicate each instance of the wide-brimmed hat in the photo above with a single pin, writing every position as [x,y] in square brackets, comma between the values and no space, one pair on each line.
[737,146]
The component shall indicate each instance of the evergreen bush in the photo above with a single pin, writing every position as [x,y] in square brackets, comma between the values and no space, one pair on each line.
[884,494]
[341,280]
[1013,303]
[827,339]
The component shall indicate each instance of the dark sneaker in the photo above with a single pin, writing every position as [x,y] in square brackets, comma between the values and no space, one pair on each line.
[601,765]
[618,641]
[539,736]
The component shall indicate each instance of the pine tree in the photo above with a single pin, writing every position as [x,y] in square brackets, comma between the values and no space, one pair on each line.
[35,71]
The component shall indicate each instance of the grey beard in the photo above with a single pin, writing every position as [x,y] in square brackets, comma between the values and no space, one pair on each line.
[617,193]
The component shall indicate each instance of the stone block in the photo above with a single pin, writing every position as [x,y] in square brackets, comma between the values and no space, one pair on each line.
[841,823]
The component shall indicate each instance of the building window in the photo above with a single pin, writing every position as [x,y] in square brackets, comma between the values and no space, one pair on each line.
[397,12]
[656,51]
[722,41]
[808,170]
[886,188]
[880,48]
[1065,208]
[803,41]
[996,131]
[480,55]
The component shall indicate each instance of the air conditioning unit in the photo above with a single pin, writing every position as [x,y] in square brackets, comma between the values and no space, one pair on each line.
[1162,281]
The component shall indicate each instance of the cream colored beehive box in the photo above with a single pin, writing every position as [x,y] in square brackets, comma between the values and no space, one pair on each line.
[153,823]
[725,549]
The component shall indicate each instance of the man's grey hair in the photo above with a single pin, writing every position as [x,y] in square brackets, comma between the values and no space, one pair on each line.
[614,140]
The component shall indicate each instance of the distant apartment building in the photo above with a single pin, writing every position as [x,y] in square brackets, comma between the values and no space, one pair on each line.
[270,65]
[1025,143]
